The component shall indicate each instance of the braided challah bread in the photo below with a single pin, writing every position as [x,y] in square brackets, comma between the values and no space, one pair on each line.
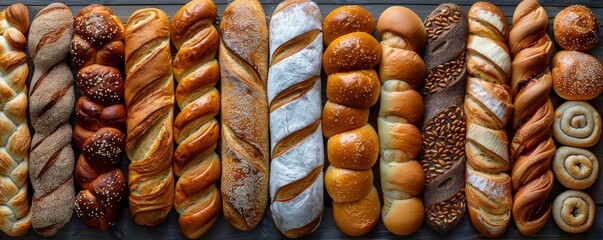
[97,50]
[196,130]
[14,206]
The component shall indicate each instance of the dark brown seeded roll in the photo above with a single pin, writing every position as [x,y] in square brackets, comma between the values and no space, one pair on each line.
[443,127]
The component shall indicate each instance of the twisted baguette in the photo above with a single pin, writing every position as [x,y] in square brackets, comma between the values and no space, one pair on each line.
[50,106]
[532,147]
[488,110]
[149,93]
[15,218]
[196,131]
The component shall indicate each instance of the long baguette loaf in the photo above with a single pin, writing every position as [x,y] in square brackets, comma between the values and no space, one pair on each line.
[196,131]
[353,146]
[97,50]
[401,71]
[245,136]
[15,218]
[443,127]
[488,109]
[296,177]
[532,147]
[149,95]
[51,103]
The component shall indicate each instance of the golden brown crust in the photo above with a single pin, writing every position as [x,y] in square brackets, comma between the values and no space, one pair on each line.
[577,75]
[576,28]
[359,217]
[346,19]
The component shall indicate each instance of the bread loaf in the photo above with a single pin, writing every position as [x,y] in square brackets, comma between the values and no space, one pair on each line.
[149,95]
[245,135]
[353,146]
[15,219]
[296,176]
[50,106]
[532,147]
[97,49]
[196,131]
[488,109]
[402,72]
[443,127]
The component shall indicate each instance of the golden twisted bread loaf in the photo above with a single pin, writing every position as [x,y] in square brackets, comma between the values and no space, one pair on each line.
[244,71]
[97,50]
[50,107]
[532,147]
[14,158]
[353,145]
[401,71]
[196,130]
[149,95]
[488,109]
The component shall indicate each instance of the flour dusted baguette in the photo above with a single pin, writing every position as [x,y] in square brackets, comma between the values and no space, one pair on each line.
[353,146]
[149,95]
[443,127]
[488,109]
[14,204]
[196,130]
[50,106]
[244,70]
[401,71]
[296,177]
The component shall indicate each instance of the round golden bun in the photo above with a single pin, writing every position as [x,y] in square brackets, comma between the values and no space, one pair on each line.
[355,149]
[346,19]
[346,185]
[576,28]
[404,217]
[577,75]
[353,51]
[359,217]
[402,21]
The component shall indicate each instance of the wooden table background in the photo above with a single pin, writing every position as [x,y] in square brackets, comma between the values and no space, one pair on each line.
[127,229]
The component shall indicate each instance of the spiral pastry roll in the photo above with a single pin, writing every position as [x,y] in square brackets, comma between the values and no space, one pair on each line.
[577,124]
[574,211]
[575,168]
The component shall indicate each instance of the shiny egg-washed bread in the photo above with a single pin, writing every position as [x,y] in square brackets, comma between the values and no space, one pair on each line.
[576,28]
[577,75]
[149,97]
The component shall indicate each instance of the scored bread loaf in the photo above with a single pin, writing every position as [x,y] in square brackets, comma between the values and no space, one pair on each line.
[488,109]
[532,147]
[243,58]
[97,50]
[197,199]
[443,126]
[402,72]
[15,218]
[296,176]
[149,95]
[353,146]
[50,106]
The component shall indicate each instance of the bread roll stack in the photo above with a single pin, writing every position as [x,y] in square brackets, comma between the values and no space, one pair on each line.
[532,147]
[296,177]
[443,127]
[353,146]
[244,70]
[488,109]
[50,107]
[401,71]
[149,93]
[196,130]
[97,49]
[15,219]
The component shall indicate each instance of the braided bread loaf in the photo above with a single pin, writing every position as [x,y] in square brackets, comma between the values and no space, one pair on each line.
[353,146]
[401,71]
[532,147]
[14,206]
[196,131]
[488,110]
[50,106]
[97,49]
[149,95]
[296,176]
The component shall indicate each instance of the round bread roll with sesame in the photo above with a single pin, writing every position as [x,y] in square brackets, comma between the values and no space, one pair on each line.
[577,75]
[576,28]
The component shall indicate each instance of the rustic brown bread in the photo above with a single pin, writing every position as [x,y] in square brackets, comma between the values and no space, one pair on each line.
[97,49]
[532,147]
[196,130]
[245,154]
[15,218]
[576,28]
[443,127]
[149,95]
[51,103]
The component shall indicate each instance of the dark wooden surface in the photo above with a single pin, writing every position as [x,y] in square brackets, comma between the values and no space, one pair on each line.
[127,229]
